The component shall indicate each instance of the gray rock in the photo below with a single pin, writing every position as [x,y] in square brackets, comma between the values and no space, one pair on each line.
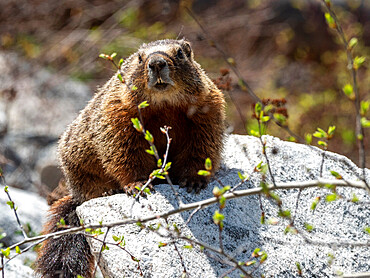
[39,105]
[31,211]
[16,269]
[340,221]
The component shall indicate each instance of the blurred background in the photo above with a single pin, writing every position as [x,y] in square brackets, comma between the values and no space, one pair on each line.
[283,49]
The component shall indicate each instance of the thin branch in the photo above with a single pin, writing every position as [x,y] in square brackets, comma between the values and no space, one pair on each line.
[165,157]
[120,247]
[202,204]
[177,251]
[100,251]
[264,152]
[2,266]
[192,214]
[359,128]
[13,207]
[357,275]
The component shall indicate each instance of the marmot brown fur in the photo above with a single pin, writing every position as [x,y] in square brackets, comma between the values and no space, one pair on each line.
[101,151]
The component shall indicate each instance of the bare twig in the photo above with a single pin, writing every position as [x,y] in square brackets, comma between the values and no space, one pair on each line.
[13,206]
[157,157]
[100,251]
[264,152]
[359,128]
[202,204]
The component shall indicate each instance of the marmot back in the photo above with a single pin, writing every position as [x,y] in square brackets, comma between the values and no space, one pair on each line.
[102,152]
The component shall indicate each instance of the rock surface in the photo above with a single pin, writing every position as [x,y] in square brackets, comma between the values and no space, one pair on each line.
[31,211]
[339,221]
[35,107]
[32,214]
[16,269]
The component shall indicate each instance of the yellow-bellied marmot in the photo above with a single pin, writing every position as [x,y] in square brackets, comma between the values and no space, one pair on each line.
[101,150]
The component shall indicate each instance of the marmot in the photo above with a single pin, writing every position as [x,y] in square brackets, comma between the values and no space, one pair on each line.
[101,151]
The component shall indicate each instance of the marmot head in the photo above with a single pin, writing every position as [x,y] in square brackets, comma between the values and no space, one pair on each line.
[164,71]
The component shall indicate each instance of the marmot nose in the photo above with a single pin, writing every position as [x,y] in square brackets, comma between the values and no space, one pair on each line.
[157,64]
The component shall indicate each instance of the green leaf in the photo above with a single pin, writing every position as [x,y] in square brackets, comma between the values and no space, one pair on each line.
[358,61]
[275,197]
[255,133]
[364,107]
[290,229]
[331,197]
[348,91]
[315,203]
[284,213]
[6,189]
[104,56]
[222,202]
[159,163]
[18,250]
[150,151]
[243,177]
[298,265]
[336,175]
[263,257]
[249,263]
[280,118]
[208,164]
[11,204]
[133,88]
[308,227]
[354,199]
[331,131]
[264,187]
[6,252]
[218,217]
[204,173]
[113,55]
[162,244]
[168,166]
[318,134]
[104,247]
[257,109]
[157,173]
[308,138]
[367,230]
[137,125]
[265,119]
[120,77]
[263,218]
[330,21]
[352,43]
[149,137]
[143,104]
[115,238]
[323,144]
[365,122]
[188,246]
[120,62]
[256,252]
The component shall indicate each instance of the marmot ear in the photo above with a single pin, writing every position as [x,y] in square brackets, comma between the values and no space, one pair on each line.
[187,48]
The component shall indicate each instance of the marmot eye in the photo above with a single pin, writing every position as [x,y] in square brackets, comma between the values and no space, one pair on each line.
[140,59]
[179,54]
